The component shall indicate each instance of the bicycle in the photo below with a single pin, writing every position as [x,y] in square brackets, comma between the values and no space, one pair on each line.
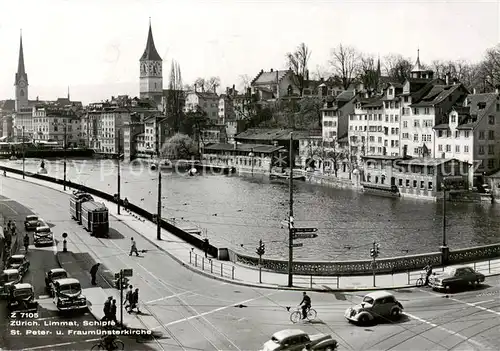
[116,344]
[296,315]
[421,281]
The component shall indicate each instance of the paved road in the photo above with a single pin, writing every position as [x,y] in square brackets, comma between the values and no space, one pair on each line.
[42,333]
[200,313]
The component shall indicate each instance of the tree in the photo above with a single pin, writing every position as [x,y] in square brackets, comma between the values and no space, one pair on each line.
[309,114]
[195,122]
[397,67]
[489,71]
[207,85]
[174,98]
[334,157]
[465,72]
[344,61]
[244,82]
[200,83]
[178,147]
[367,73]
[297,62]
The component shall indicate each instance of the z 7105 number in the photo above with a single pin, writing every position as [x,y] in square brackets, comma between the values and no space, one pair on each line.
[24,315]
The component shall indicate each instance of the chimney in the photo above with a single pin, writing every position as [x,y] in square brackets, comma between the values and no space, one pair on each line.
[215,89]
[234,89]
[195,87]
[447,78]
[367,95]
[235,146]
[307,74]
[405,151]
[474,91]
[272,70]
[354,91]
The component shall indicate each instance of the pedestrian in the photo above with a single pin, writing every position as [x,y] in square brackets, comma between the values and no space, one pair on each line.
[428,272]
[135,301]
[9,226]
[133,248]
[113,311]
[125,203]
[13,228]
[93,273]
[107,309]
[26,242]
[205,247]
[128,297]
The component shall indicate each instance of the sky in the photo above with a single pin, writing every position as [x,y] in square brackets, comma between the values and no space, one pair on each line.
[94,46]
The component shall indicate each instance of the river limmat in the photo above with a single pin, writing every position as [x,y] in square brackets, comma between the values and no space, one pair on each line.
[237,212]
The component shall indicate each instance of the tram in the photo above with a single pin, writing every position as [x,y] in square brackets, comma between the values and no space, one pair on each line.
[95,218]
[75,204]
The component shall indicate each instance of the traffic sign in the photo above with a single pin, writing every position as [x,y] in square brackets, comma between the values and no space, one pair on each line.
[305,230]
[305,236]
[127,272]
[298,245]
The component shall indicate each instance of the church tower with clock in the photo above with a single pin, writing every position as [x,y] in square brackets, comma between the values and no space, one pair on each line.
[151,75]
[21,82]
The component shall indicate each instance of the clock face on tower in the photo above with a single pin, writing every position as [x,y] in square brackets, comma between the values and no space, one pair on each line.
[22,84]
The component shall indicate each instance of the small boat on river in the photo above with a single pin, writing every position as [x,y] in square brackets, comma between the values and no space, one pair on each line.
[275,175]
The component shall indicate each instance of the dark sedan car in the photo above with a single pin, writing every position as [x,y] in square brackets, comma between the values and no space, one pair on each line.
[53,275]
[32,222]
[454,277]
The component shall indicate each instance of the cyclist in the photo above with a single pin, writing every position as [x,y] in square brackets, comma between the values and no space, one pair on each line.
[108,341]
[305,304]
[428,273]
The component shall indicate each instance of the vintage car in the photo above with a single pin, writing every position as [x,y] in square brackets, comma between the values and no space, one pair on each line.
[19,262]
[43,236]
[453,277]
[298,340]
[376,305]
[22,298]
[32,221]
[68,295]
[53,275]
[8,278]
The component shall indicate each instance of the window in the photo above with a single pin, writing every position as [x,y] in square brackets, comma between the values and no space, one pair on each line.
[440,133]
[387,118]
[414,183]
[416,123]
[422,184]
[440,147]
[491,163]
[466,148]
[396,118]
[426,111]
[481,135]
[401,182]
[448,148]
[491,149]
[453,119]
[498,108]
[466,133]
[491,119]
[415,111]
[407,183]
[415,137]
[379,140]
[491,134]
[430,186]
[405,124]
[481,150]
[457,148]
[457,134]
[406,136]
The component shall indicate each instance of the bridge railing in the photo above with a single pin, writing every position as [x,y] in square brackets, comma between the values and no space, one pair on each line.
[211,266]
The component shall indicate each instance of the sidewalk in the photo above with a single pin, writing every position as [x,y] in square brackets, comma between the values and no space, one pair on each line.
[193,259]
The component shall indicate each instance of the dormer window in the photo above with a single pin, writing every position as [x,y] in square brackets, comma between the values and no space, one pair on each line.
[481,105]
[453,119]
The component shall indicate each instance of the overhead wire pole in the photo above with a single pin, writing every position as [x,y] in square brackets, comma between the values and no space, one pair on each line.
[158,218]
[119,174]
[24,151]
[290,219]
[64,152]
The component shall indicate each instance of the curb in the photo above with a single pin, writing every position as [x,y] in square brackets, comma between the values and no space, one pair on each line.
[237,282]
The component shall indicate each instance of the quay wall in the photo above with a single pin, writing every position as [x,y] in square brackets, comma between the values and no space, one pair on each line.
[317,268]
[38,153]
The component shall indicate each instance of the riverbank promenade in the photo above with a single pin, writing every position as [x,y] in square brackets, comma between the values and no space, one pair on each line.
[195,260]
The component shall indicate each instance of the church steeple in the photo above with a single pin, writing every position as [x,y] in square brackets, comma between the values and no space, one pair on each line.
[150,53]
[21,72]
[21,83]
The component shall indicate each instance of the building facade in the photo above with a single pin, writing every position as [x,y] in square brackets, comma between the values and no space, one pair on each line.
[274,84]
[55,123]
[207,102]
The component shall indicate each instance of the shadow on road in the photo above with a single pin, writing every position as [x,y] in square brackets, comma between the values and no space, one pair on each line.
[114,234]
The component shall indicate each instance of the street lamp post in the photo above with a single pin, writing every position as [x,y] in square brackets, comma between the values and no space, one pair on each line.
[24,149]
[118,172]
[444,248]
[290,219]
[252,155]
[158,211]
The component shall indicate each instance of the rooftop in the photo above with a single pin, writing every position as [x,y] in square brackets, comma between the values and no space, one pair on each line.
[428,161]
[243,147]
[269,77]
[271,134]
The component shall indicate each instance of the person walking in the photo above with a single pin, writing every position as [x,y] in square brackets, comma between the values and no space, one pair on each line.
[133,248]
[206,245]
[112,313]
[128,297]
[135,301]
[107,309]
[93,273]
[428,272]
[26,242]
[13,228]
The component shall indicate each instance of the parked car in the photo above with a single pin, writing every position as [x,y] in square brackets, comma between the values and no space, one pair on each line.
[19,262]
[22,298]
[32,222]
[8,278]
[43,236]
[298,340]
[68,295]
[453,277]
[53,275]
[376,305]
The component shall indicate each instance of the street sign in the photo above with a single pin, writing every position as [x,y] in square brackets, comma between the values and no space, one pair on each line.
[127,272]
[298,245]
[305,230]
[305,236]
